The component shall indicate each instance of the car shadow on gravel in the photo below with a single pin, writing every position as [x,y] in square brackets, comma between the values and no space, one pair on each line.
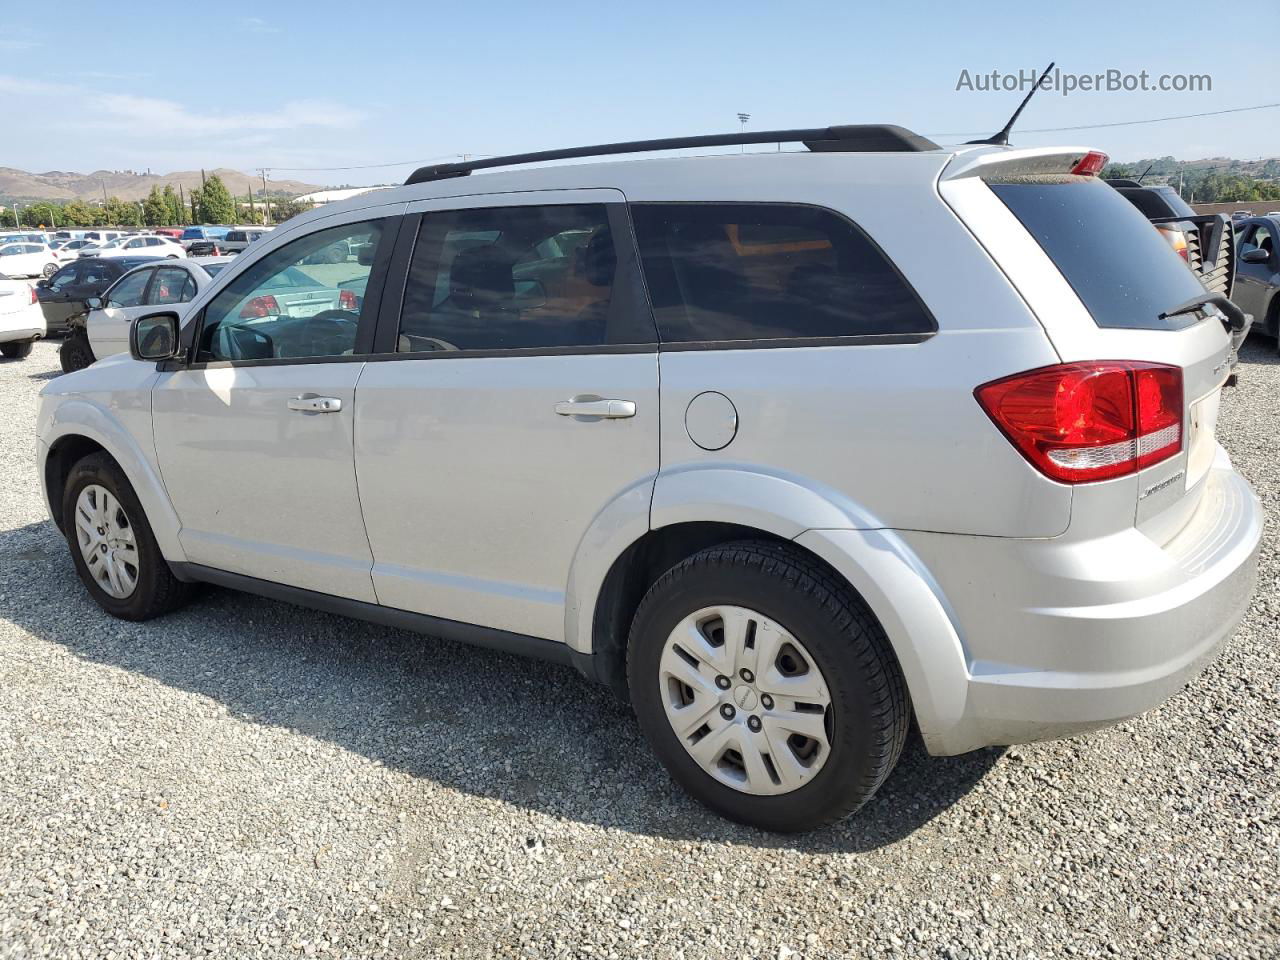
[1258,349]
[531,734]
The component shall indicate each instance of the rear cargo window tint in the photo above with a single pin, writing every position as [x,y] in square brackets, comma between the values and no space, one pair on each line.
[747,271]
[1119,265]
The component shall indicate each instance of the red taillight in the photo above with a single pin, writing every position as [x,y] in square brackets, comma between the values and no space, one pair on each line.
[1090,165]
[1177,239]
[264,306]
[1081,422]
[34,298]
[347,300]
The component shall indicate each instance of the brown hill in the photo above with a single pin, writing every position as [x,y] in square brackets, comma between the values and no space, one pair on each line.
[127,185]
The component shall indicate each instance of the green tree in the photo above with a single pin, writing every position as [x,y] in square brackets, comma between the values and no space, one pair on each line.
[155,212]
[216,205]
[123,213]
[174,215]
[42,214]
[76,213]
[284,209]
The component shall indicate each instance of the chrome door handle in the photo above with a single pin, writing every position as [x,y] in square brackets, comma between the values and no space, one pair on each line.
[308,403]
[596,407]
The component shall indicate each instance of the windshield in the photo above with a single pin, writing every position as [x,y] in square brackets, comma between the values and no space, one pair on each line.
[1124,272]
[193,233]
[213,269]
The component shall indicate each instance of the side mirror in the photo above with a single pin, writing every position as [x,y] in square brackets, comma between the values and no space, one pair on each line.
[42,282]
[154,337]
[1257,255]
[94,303]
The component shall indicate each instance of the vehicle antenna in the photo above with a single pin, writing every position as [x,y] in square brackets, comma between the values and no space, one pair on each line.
[1001,139]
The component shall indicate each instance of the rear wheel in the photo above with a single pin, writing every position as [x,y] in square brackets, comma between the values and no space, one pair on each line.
[112,546]
[16,350]
[766,687]
[49,270]
[75,352]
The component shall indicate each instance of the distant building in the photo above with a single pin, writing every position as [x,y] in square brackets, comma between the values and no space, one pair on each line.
[330,196]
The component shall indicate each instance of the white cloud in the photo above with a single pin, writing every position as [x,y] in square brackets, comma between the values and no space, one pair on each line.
[257,25]
[156,117]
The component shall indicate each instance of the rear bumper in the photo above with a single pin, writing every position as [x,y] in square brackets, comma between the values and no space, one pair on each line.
[1061,637]
[10,334]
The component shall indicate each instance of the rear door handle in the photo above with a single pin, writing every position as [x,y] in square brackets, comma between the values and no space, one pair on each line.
[596,407]
[309,403]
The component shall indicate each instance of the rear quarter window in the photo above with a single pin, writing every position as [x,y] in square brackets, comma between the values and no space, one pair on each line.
[1123,271]
[741,272]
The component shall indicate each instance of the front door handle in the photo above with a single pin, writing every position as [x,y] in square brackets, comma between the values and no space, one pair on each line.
[309,403]
[596,408]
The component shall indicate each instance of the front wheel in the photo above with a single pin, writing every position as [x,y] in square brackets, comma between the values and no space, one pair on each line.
[16,350]
[75,352]
[766,687]
[112,546]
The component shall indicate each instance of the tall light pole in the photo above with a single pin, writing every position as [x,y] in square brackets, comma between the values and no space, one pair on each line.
[742,119]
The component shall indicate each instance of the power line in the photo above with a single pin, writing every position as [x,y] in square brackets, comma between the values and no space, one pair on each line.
[1121,123]
[966,133]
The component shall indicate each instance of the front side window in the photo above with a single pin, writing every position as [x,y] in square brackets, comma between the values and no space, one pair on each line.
[171,285]
[129,290]
[509,278]
[64,278]
[745,271]
[304,299]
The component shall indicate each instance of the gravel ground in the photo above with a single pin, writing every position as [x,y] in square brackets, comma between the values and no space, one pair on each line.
[247,779]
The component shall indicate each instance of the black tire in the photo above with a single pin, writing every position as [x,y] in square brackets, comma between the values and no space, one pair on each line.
[16,349]
[158,591]
[870,712]
[49,270]
[75,352]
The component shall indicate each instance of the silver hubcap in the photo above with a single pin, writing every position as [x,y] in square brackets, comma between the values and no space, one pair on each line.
[746,699]
[106,541]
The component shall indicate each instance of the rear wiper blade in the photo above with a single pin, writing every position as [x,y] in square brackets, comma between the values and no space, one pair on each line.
[1233,318]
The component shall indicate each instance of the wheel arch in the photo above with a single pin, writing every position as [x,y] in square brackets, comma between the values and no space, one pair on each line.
[698,508]
[83,429]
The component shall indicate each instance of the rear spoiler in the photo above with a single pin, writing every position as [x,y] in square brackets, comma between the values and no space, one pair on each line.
[1211,249]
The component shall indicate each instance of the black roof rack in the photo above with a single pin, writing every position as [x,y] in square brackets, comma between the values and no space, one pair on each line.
[855,138]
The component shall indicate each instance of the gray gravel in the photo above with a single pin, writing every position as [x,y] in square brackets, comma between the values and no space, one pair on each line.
[247,779]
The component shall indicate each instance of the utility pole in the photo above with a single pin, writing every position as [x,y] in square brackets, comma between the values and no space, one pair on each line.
[104,192]
[17,222]
[266,201]
[742,119]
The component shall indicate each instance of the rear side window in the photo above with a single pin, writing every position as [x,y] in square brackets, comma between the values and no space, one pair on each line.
[1124,272]
[748,271]
[509,278]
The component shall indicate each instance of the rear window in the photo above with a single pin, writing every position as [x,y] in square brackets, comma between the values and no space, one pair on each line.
[1124,272]
[192,233]
[722,272]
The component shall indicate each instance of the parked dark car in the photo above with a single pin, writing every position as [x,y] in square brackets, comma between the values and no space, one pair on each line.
[1258,274]
[63,295]
[1205,241]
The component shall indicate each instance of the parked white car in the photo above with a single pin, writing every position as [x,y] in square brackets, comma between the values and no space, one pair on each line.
[26,259]
[797,451]
[104,331]
[21,321]
[136,246]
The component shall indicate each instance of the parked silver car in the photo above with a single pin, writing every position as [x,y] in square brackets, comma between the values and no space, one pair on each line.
[787,448]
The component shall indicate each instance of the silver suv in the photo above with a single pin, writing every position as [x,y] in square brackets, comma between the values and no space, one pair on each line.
[788,448]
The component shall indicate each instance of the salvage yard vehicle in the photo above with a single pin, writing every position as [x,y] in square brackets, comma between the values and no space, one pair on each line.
[786,468]
[21,322]
[105,329]
[65,295]
[1258,276]
[28,259]
[136,246]
[1205,241]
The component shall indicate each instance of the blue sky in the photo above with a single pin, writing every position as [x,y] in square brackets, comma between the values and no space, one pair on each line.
[294,85]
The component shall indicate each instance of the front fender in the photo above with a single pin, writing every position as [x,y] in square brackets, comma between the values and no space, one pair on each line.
[80,416]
